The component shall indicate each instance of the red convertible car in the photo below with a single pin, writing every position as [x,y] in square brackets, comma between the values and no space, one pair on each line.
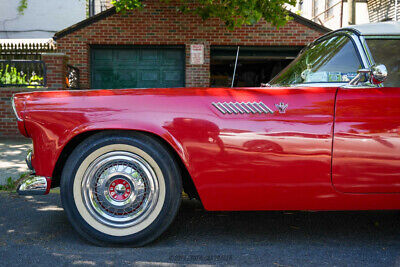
[324,134]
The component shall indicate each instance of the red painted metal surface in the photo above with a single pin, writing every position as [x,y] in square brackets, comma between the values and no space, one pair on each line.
[366,154]
[279,161]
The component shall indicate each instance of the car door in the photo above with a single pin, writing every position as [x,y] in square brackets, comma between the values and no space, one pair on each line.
[280,159]
[366,149]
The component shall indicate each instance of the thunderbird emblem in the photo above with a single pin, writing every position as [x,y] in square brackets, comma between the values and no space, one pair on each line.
[281,107]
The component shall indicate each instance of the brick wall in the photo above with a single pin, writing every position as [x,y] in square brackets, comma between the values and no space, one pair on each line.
[8,122]
[161,24]
[55,69]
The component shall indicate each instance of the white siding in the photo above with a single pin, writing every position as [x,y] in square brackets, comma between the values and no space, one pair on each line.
[41,19]
[382,10]
[332,22]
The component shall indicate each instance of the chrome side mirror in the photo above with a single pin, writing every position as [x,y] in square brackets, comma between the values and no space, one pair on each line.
[361,75]
[378,74]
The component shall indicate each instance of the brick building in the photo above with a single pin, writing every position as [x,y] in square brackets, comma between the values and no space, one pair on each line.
[151,48]
[161,47]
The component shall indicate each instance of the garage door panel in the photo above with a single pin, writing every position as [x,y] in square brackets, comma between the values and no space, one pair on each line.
[149,56]
[174,76]
[137,67]
[103,54]
[172,57]
[104,77]
[125,55]
[125,78]
[150,75]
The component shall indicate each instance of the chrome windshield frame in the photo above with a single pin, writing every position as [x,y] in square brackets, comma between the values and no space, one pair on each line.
[359,44]
[354,36]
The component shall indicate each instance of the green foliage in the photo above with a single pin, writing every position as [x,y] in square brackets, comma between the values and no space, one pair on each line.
[10,75]
[23,4]
[234,13]
[35,80]
[9,186]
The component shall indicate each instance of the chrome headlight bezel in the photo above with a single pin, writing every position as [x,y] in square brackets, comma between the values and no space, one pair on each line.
[14,109]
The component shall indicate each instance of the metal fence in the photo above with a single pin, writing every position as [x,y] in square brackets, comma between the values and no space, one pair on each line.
[25,50]
[29,73]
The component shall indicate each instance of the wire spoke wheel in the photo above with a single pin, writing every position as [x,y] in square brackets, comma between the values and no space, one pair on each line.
[120,189]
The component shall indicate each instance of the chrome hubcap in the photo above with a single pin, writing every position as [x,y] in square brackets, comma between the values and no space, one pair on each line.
[120,189]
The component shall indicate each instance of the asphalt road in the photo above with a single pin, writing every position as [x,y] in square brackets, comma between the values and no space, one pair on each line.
[35,231]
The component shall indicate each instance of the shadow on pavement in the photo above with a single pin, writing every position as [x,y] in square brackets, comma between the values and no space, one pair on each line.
[36,229]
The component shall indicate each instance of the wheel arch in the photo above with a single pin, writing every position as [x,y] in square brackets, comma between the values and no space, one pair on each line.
[187,181]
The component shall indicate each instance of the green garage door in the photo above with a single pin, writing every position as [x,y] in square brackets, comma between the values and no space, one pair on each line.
[155,67]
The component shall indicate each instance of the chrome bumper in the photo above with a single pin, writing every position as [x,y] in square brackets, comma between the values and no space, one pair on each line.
[34,185]
[28,161]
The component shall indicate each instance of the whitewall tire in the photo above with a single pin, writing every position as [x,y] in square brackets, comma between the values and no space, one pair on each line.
[120,188]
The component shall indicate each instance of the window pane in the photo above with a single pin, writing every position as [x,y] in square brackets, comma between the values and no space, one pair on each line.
[386,52]
[331,61]
[329,10]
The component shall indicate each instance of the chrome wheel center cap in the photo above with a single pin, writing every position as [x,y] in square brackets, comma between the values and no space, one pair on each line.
[120,189]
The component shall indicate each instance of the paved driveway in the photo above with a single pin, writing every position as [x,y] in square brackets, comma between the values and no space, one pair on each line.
[12,158]
[34,230]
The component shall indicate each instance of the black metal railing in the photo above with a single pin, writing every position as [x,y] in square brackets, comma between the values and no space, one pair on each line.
[30,73]
[72,77]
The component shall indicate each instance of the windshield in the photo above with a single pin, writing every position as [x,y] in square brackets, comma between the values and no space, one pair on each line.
[332,60]
[386,51]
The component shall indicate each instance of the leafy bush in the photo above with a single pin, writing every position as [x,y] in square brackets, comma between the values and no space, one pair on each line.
[10,75]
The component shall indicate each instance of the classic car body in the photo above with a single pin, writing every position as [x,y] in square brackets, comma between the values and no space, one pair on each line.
[304,146]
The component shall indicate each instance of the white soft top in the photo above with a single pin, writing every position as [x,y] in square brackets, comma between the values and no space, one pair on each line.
[380,28]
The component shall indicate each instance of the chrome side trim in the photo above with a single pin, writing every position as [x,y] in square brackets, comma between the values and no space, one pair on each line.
[382,37]
[14,109]
[360,49]
[229,108]
[242,108]
[254,106]
[216,105]
[238,107]
[33,185]
[266,107]
[246,105]
[367,51]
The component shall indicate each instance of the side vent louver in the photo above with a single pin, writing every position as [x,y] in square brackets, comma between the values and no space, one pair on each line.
[242,108]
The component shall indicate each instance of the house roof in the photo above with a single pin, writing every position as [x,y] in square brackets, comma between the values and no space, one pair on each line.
[112,11]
